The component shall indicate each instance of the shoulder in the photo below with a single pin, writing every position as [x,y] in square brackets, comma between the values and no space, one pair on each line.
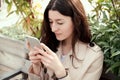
[88,50]
[88,46]
[94,49]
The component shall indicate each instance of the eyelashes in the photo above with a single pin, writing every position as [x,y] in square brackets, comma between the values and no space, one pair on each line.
[59,23]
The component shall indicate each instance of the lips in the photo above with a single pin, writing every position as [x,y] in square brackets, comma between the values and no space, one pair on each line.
[58,33]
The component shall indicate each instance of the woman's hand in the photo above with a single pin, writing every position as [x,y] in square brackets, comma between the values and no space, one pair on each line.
[33,56]
[36,61]
[49,59]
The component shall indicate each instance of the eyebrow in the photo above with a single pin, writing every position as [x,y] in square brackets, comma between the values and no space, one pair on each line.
[57,19]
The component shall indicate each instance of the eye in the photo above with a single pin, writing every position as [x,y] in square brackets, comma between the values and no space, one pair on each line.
[50,21]
[60,23]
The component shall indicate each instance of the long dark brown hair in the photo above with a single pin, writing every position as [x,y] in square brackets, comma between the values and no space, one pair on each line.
[73,9]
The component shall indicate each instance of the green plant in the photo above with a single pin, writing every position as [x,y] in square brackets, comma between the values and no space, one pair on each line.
[105,28]
[14,32]
[30,20]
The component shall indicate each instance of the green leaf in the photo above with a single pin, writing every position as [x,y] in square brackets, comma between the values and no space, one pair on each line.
[115,54]
[103,43]
[9,6]
[105,28]
[89,1]
[10,13]
[116,64]
[7,1]
[99,1]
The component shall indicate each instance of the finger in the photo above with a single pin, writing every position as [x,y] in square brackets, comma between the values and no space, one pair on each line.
[35,61]
[45,59]
[43,46]
[28,45]
[34,58]
[43,53]
[33,52]
[44,56]
[45,63]
[39,50]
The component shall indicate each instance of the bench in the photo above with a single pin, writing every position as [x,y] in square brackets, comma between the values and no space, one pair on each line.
[13,58]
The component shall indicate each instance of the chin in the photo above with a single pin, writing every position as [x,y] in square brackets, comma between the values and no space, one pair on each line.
[60,39]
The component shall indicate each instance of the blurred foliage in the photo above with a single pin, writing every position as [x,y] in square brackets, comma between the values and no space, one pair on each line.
[105,28]
[30,21]
[13,32]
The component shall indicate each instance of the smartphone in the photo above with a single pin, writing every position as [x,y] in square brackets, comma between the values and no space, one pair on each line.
[31,42]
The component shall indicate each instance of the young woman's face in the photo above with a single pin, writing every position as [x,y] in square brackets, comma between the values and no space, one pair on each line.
[61,26]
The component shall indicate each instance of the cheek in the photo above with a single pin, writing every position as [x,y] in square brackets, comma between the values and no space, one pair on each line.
[68,30]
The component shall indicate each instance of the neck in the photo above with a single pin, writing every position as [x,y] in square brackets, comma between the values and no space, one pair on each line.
[66,47]
[67,42]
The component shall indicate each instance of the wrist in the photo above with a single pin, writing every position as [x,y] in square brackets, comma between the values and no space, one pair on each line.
[62,74]
[36,68]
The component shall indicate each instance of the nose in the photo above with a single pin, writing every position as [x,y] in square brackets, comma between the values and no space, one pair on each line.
[54,27]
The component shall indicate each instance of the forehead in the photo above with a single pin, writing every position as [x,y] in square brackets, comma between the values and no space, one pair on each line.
[52,14]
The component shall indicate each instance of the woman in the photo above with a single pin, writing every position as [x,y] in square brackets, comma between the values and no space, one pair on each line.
[65,52]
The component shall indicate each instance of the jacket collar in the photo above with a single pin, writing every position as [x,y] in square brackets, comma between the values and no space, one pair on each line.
[80,50]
